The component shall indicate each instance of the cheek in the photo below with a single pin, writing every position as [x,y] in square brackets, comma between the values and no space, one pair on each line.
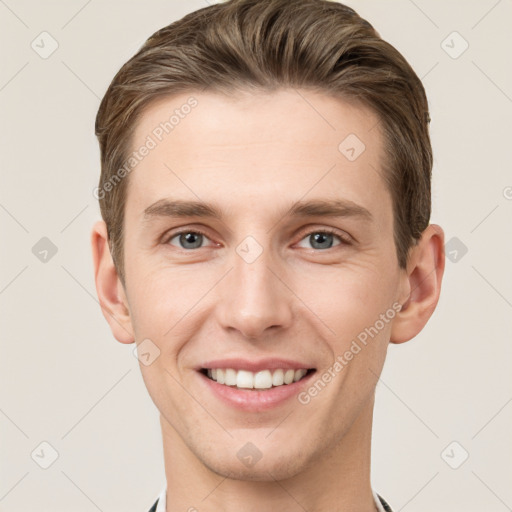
[341,300]
[152,305]
[349,301]
[165,304]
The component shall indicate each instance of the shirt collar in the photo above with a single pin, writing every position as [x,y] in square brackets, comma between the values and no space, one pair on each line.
[162,501]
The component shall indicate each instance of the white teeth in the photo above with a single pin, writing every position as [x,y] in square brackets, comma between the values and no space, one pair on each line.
[288,376]
[244,379]
[278,378]
[299,374]
[230,377]
[264,379]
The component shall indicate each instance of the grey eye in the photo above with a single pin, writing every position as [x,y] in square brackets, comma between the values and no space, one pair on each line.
[321,239]
[188,240]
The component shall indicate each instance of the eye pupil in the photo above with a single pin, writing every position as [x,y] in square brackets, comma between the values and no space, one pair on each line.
[321,238]
[189,238]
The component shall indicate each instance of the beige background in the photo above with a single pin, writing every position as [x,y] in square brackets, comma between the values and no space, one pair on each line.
[66,381]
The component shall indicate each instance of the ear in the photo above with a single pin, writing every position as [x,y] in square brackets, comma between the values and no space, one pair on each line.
[421,285]
[109,288]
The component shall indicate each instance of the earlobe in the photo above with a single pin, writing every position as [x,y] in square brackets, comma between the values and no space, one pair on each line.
[109,287]
[422,285]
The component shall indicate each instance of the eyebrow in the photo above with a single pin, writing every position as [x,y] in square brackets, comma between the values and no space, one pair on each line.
[313,208]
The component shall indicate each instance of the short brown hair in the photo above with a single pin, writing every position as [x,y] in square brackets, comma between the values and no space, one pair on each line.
[263,45]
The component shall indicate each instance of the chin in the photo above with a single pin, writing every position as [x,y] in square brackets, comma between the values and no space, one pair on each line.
[266,469]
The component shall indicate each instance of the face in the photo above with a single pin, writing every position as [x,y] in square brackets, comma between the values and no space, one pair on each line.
[268,282]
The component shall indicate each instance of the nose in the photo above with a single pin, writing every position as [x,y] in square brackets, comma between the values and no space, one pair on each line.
[255,299]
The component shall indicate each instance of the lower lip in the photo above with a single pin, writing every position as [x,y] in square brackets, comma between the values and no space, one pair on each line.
[255,400]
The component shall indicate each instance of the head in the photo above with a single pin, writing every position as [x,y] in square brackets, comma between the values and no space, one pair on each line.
[267,114]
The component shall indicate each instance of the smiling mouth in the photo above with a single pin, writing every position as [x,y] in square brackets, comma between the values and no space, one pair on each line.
[265,379]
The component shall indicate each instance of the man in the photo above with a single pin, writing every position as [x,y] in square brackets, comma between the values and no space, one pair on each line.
[288,144]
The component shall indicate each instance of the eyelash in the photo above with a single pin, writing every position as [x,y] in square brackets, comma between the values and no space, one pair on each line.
[344,239]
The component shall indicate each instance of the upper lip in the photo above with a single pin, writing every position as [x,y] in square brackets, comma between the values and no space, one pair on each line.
[273,363]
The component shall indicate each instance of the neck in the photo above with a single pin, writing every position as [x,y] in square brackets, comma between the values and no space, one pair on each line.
[337,480]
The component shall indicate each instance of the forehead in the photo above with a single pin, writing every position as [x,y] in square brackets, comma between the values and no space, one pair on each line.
[238,150]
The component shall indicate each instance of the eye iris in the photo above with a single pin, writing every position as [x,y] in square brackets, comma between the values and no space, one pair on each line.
[189,238]
[324,239]
[320,238]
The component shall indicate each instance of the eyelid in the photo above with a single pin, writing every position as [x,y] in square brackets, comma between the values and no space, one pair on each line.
[345,238]
[169,235]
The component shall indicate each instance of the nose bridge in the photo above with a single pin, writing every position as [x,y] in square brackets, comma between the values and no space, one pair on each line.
[253,299]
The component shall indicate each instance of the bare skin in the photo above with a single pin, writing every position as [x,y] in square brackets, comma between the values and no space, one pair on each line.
[253,156]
